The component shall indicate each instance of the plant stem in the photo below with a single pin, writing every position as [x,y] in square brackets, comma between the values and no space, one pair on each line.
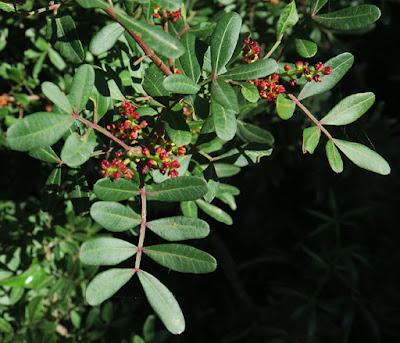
[274,47]
[310,116]
[135,151]
[147,50]
[142,232]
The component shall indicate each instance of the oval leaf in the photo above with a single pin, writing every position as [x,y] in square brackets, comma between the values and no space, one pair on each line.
[305,48]
[106,38]
[250,133]
[350,18]
[188,60]
[349,109]
[311,136]
[38,130]
[215,212]
[224,121]
[181,84]
[256,70]
[288,18]
[182,258]
[105,251]
[45,154]
[179,228]
[225,95]
[77,150]
[250,92]
[115,190]
[114,216]
[224,40]
[363,157]
[178,189]
[54,94]
[82,86]
[340,65]
[163,303]
[106,284]
[334,158]
[285,107]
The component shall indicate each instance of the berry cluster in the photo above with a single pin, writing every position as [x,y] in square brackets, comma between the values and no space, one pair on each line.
[303,69]
[269,88]
[174,15]
[251,51]
[157,151]
[130,127]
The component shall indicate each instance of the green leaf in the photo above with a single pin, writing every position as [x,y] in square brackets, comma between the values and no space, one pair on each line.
[180,84]
[252,71]
[106,38]
[215,212]
[288,18]
[250,92]
[5,326]
[311,136]
[181,258]
[340,65]
[253,134]
[114,216]
[34,277]
[56,59]
[105,251]
[226,170]
[55,95]
[363,157]
[349,109]
[316,5]
[189,209]
[305,48]
[224,94]
[115,190]
[224,121]
[38,130]
[334,158]
[77,150]
[153,82]
[189,62]
[224,40]
[6,7]
[179,228]
[106,284]
[177,129]
[285,107]
[67,41]
[169,5]
[154,36]
[181,188]
[45,154]
[163,303]
[350,18]
[82,86]
[93,4]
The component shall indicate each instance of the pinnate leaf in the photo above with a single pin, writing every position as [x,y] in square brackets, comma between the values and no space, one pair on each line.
[363,156]
[82,86]
[224,40]
[37,130]
[181,84]
[182,258]
[285,107]
[288,18]
[349,109]
[181,188]
[179,228]
[114,216]
[77,150]
[252,71]
[163,303]
[334,158]
[311,136]
[215,212]
[106,38]
[105,251]
[115,190]
[106,284]
[54,94]
[224,121]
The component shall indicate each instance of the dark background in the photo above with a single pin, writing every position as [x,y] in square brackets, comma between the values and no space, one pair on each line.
[309,251]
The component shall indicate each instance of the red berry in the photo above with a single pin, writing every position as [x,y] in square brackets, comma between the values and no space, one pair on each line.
[317,78]
[327,70]
[299,65]
[287,67]
[173,173]
[293,82]
[175,164]
[181,151]
[275,77]
[318,66]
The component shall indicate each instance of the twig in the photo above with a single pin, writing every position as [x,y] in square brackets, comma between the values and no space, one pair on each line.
[310,116]
[165,27]
[274,47]
[52,7]
[147,50]
[134,151]
[142,231]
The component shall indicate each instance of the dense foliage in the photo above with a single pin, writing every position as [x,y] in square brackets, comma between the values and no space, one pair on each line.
[141,112]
